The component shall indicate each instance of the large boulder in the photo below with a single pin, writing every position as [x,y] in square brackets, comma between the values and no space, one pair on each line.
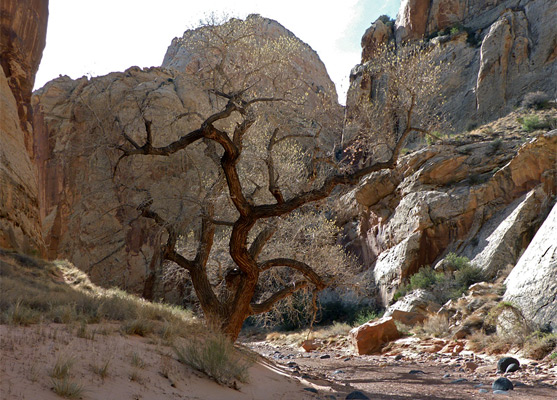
[370,337]
[22,40]
[532,284]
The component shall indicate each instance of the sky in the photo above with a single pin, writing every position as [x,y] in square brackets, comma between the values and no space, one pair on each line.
[102,36]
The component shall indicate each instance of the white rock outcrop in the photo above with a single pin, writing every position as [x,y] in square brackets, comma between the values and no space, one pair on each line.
[532,284]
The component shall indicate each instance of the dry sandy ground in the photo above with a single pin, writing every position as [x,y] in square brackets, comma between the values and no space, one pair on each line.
[137,368]
[146,368]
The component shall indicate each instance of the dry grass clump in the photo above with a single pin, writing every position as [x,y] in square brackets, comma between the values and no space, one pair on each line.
[102,368]
[216,357]
[492,344]
[62,367]
[538,345]
[36,291]
[67,388]
[140,327]
[436,326]
[60,374]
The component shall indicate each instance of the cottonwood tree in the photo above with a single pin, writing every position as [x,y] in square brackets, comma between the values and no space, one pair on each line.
[257,236]
[399,94]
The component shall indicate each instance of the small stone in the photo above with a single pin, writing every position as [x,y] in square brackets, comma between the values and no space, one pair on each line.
[513,367]
[460,380]
[471,366]
[447,376]
[357,395]
[338,371]
[398,357]
[347,359]
[519,384]
[502,384]
[504,363]
[324,356]
[291,364]
[416,371]
[483,391]
[500,392]
[312,390]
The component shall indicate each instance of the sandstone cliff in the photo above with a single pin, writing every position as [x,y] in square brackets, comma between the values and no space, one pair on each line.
[22,39]
[477,196]
[90,215]
[499,50]
[532,284]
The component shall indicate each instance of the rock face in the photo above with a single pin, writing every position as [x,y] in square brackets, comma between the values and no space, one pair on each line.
[22,39]
[481,199]
[532,284]
[499,50]
[371,336]
[90,212]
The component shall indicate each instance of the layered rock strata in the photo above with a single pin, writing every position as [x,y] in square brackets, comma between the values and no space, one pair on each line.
[480,199]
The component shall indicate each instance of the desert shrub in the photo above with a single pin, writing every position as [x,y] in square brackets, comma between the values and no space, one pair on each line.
[366,315]
[216,357]
[468,275]
[456,262]
[539,344]
[386,20]
[436,326]
[532,123]
[141,327]
[444,285]
[536,100]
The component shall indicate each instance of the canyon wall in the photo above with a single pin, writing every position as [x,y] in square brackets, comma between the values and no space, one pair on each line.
[89,204]
[22,39]
[499,51]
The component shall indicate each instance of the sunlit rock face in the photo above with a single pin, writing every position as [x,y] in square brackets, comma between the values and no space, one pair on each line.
[90,206]
[531,286]
[479,200]
[22,39]
[499,52]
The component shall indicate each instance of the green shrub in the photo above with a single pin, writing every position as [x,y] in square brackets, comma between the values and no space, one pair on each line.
[216,357]
[366,315]
[444,285]
[454,30]
[533,123]
[455,262]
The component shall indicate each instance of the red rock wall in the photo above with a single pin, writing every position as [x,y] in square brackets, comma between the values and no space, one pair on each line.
[22,39]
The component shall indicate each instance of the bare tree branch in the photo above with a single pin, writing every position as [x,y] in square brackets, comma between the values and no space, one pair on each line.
[299,266]
[268,304]
[261,239]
